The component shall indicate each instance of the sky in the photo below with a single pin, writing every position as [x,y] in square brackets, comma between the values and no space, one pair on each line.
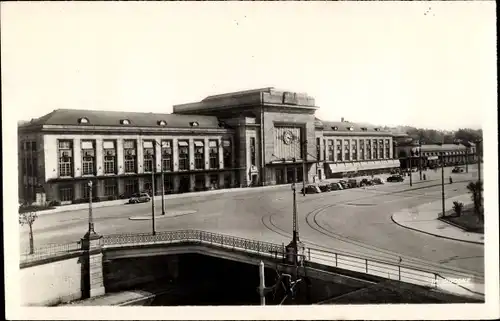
[425,64]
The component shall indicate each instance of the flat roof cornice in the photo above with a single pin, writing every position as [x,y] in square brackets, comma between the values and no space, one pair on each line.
[132,129]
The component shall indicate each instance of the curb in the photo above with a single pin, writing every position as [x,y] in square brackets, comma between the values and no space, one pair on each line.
[436,235]
[457,226]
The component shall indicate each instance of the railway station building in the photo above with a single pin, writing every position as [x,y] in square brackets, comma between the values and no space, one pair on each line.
[249,138]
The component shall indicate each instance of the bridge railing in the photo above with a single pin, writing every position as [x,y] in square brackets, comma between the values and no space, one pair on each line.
[369,266]
[220,240]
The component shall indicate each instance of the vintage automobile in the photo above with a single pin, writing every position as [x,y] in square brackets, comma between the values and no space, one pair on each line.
[336,186]
[377,181]
[457,170]
[139,198]
[353,183]
[395,178]
[325,188]
[365,182]
[311,189]
[344,184]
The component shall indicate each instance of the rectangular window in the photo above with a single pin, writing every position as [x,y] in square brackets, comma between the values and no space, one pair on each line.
[166,156]
[110,187]
[362,149]
[86,190]
[375,149]
[347,150]
[88,157]
[130,154]
[213,153]
[226,146]
[227,180]
[354,150]
[214,181]
[131,186]
[109,157]
[368,149]
[330,150]
[66,193]
[199,154]
[381,149]
[324,149]
[149,156]
[387,149]
[65,154]
[183,155]
[318,149]
[168,182]
[339,150]
[199,182]
[252,150]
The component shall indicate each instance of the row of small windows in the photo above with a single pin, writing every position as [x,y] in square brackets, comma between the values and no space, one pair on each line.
[85,120]
[65,154]
[381,149]
[351,128]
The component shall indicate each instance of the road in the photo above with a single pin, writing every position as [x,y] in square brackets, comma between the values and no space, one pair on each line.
[354,221]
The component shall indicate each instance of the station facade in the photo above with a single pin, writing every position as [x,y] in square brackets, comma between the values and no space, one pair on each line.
[249,138]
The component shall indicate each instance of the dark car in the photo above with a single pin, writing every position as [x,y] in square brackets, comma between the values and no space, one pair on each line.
[377,181]
[311,189]
[325,188]
[336,186]
[395,178]
[365,182]
[344,184]
[353,183]
[457,170]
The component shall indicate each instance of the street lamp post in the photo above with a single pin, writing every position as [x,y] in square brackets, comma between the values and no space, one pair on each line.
[153,199]
[295,238]
[91,219]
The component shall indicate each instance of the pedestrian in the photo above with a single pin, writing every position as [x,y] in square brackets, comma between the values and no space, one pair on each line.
[451,180]
[425,177]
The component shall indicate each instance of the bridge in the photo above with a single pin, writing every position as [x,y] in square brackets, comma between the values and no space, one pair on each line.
[80,272]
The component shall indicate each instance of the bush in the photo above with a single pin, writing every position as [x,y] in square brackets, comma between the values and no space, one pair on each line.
[458,207]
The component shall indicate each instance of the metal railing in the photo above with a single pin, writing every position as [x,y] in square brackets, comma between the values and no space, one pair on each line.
[49,251]
[380,268]
[220,240]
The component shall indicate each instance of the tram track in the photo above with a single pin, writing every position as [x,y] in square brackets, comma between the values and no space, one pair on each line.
[382,253]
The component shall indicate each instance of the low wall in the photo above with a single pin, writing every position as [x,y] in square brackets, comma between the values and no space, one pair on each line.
[51,283]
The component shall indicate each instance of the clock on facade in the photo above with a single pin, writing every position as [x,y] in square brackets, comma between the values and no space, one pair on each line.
[287,137]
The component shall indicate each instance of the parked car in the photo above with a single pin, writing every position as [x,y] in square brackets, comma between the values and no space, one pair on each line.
[336,186]
[457,170]
[395,178]
[365,182]
[325,188]
[311,189]
[139,198]
[353,183]
[377,181]
[344,184]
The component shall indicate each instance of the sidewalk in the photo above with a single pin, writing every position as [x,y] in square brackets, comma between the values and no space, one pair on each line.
[423,219]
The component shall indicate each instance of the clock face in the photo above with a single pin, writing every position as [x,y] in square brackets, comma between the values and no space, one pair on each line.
[287,137]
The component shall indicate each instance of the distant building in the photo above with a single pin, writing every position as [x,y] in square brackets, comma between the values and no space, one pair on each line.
[247,138]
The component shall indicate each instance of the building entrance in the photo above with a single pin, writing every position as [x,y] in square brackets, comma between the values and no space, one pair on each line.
[184,183]
[280,176]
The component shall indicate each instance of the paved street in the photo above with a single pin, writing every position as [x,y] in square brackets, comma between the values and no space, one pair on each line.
[348,221]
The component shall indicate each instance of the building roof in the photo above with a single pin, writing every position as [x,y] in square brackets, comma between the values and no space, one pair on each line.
[445,147]
[239,93]
[114,118]
[346,126]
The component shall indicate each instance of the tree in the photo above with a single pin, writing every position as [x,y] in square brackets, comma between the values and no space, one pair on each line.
[458,207]
[476,189]
[29,218]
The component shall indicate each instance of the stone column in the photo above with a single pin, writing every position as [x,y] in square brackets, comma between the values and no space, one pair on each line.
[175,155]
[120,158]
[99,157]
[92,271]
[191,154]
[140,156]
[77,157]
[205,154]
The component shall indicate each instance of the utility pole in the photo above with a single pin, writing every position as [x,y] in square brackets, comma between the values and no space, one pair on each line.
[420,157]
[442,183]
[153,199]
[304,167]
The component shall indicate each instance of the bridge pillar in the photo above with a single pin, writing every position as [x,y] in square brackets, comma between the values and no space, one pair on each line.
[92,268]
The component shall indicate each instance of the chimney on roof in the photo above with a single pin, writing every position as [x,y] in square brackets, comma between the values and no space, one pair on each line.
[342,119]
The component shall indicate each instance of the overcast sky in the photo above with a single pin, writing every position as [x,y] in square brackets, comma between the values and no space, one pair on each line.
[425,64]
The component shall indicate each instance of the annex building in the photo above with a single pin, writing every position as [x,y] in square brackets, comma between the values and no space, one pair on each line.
[247,138]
